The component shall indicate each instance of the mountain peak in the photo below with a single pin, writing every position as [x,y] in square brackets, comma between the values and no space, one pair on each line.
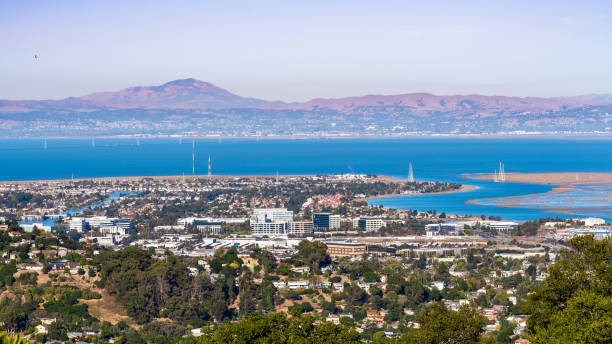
[187,93]
[189,82]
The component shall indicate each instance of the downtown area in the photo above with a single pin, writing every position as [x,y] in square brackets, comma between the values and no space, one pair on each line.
[203,259]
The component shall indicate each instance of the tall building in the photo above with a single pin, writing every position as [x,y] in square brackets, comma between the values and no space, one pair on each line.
[326,221]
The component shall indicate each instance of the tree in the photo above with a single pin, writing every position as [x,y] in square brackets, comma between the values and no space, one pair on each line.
[441,325]
[313,254]
[5,339]
[575,296]
[277,328]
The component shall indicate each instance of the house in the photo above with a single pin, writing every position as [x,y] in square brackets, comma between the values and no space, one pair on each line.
[47,321]
[338,286]
[377,318]
[90,331]
[298,284]
[74,335]
[333,318]
[301,269]
[279,284]
[196,332]
[58,265]
[41,329]
[390,334]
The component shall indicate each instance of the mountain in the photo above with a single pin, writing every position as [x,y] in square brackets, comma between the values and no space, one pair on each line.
[463,103]
[177,94]
[194,107]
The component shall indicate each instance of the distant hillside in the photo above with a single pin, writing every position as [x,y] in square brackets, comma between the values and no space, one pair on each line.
[196,107]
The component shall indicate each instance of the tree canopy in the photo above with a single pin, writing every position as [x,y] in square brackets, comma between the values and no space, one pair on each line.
[278,328]
[574,303]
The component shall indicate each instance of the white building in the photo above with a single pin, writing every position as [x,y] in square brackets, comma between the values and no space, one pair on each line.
[597,232]
[302,228]
[271,215]
[30,227]
[370,224]
[444,227]
[114,230]
[268,228]
[592,221]
[298,284]
[77,224]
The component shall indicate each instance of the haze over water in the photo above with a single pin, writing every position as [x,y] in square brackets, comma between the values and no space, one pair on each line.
[439,159]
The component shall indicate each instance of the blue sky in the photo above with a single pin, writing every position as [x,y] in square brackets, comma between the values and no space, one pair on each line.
[298,50]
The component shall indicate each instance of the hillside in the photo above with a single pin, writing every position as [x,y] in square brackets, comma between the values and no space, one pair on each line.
[193,107]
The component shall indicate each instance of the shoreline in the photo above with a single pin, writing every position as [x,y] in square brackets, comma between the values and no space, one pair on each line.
[559,179]
[380,178]
[572,136]
[463,188]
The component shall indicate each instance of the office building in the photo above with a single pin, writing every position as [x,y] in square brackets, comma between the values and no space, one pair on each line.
[268,228]
[209,227]
[370,224]
[299,228]
[339,249]
[271,215]
[77,224]
[444,227]
[326,221]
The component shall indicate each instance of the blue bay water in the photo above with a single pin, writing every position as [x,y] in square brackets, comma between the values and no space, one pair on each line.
[443,159]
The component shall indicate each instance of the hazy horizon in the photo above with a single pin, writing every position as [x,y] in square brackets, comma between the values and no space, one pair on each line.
[296,51]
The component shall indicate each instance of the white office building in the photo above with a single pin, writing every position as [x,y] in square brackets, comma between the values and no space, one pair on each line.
[271,215]
[268,228]
[444,227]
[299,228]
[77,224]
[370,224]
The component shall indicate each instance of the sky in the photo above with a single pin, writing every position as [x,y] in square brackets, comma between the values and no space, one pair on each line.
[299,50]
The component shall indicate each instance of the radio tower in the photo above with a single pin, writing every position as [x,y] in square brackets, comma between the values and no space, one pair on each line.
[502,172]
[410,174]
[209,170]
[193,157]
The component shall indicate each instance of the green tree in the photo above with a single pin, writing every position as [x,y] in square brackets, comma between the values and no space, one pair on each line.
[573,304]
[441,325]
[277,328]
[313,254]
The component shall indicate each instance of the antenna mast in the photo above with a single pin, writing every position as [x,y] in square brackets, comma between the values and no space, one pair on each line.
[193,157]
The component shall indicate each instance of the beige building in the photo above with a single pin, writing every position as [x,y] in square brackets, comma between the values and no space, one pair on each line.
[341,249]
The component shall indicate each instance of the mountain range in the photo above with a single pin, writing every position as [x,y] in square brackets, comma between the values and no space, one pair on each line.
[190,99]
[196,94]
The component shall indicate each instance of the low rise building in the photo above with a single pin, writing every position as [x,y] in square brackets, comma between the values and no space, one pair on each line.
[370,224]
[299,228]
[339,249]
